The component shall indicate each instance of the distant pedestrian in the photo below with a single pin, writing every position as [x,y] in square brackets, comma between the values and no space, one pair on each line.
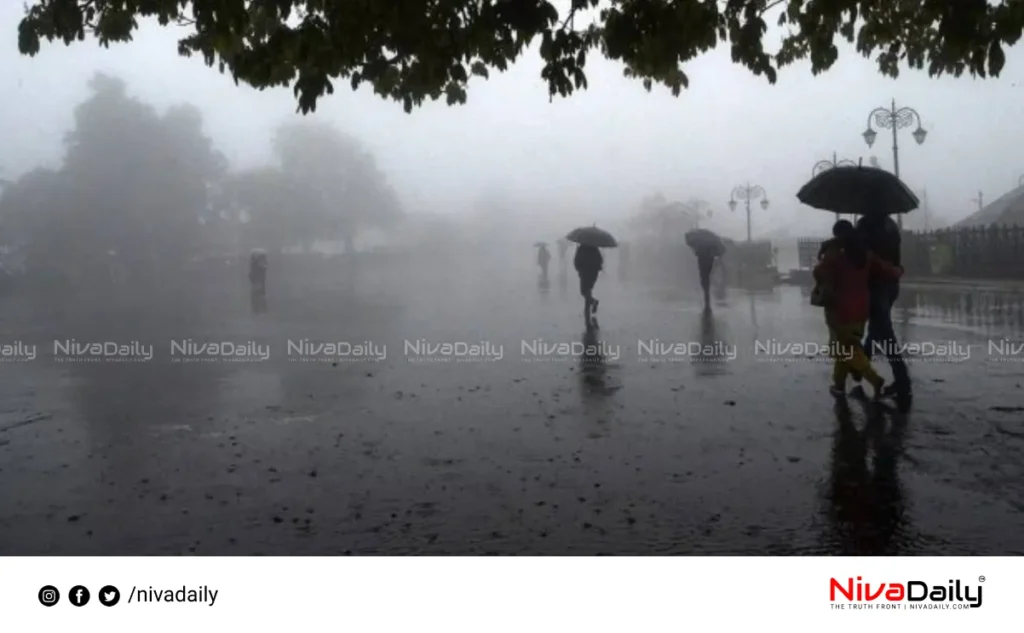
[588,262]
[258,272]
[708,247]
[543,258]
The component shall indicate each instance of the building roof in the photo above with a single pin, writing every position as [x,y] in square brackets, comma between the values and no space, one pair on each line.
[1005,210]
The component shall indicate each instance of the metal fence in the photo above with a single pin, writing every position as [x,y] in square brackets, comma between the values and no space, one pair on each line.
[995,252]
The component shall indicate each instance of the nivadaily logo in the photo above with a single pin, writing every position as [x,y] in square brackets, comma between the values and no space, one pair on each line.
[911,594]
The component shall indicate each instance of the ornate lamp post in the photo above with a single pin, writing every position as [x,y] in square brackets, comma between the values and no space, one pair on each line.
[747,193]
[825,165]
[980,200]
[891,118]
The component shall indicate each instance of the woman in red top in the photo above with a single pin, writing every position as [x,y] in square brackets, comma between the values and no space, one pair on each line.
[847,267]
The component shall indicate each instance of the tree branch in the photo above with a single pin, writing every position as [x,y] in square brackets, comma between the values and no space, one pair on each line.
[568,19]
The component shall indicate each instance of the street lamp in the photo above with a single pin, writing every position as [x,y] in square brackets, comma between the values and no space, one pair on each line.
[891,118]
[980,200]
[747,193]
[825,165]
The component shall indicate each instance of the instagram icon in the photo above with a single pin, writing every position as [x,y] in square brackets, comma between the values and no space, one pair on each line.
[49,596]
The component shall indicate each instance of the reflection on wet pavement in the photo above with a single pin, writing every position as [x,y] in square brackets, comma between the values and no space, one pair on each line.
[614,440]
[864,506]
[982,312]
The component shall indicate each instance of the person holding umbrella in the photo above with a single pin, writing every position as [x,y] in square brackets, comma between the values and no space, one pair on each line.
[707,246]
[589,262]
[847,268]
[882,236]
[875,194]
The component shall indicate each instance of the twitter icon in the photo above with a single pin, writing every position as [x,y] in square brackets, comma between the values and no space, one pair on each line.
[109,596]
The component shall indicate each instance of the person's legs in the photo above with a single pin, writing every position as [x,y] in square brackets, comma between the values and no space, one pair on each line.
[839,369]
[885,334]
[704,266]
[900,372]
[586,289]
[876,314]
[854,357]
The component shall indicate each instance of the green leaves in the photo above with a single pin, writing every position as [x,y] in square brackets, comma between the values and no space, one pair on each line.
[412,50]
[996,59]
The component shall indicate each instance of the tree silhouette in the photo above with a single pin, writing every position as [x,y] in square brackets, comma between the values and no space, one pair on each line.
[324,186]
[413,51]
[134,188]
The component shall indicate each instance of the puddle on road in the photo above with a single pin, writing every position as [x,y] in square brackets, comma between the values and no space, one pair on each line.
[979,312]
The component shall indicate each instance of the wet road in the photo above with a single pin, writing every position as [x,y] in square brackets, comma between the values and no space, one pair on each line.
[632,451]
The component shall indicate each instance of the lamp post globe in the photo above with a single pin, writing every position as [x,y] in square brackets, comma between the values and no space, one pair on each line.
[920,134]
[764,203]
[732,205]
[869,136]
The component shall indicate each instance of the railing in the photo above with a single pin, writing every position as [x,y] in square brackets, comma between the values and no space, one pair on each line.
[995,252]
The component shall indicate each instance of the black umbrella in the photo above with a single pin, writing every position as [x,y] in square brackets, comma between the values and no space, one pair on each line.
[592,236]
[703,239]
[858,190]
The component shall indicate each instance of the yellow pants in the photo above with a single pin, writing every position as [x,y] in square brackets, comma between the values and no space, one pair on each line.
[848,353]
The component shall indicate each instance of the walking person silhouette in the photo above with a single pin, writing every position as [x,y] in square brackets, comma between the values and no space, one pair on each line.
[588,262]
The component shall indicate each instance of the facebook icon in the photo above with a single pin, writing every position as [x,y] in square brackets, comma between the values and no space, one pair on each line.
[79,596]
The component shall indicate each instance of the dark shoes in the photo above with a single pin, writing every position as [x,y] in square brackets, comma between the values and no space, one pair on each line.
[893,391]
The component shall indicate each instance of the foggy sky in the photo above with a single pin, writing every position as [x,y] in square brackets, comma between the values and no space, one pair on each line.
[594,154]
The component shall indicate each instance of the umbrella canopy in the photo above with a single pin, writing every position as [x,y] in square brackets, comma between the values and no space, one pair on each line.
[592,236]
[703,239]
[858,190]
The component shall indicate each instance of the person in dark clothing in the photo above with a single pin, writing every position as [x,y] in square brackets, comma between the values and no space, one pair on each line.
[831,243]
[258,281]
[706,256]
[588,262]
[258,272]
[882,236]
[543,257]
[824,289]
